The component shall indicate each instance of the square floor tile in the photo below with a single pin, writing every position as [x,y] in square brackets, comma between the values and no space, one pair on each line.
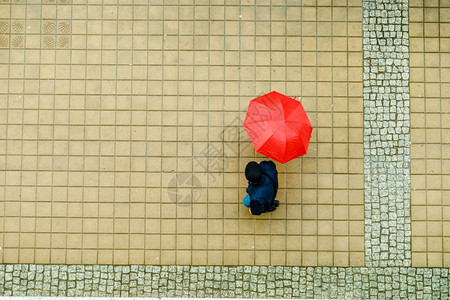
[102,160]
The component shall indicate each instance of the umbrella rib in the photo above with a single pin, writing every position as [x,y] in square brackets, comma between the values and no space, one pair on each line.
[273,132]
[291,112]
[278,124]
[285,144]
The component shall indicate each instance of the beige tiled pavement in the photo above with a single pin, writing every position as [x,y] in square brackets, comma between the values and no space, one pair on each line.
[430,132]
[121,138]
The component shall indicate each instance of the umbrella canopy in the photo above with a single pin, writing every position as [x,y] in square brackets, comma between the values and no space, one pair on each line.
[278,127]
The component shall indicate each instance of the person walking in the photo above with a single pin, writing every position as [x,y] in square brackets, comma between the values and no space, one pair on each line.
[262,187]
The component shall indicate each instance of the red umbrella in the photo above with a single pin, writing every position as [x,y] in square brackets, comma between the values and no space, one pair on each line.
[278,127]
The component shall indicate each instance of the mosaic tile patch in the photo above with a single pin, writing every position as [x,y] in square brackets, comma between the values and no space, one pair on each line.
[55,34]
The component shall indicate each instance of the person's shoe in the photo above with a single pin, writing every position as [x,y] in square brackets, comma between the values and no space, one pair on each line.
[276,203]
[271,208]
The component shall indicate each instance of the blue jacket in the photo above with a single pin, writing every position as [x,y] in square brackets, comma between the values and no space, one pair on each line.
[264,192]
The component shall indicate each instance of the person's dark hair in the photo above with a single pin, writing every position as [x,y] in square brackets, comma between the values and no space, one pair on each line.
[253,172]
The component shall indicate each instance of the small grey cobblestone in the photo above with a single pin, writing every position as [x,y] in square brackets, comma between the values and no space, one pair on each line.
[386,134]
[226,282]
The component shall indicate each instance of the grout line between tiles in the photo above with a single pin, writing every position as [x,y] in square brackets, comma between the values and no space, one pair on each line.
[301,161]
[192,141]
[146,245]
[214,35]
[186,5]
[52,200]
[254,151]
[8,99]
[199,64]
[131,235]
[119,110]
[162,135]
[317,124]
[209,138]
[21,151]
[270,89]
[197,95]
[223,140]
[349,221]
[100,139]
[333,180]
[425,141]
[66,257]
[239,137]
[271,220]
[90,171]
[116,93]
[441,140]
[286,249]
[108,125]
[82,251]
[177,135]
[36,258]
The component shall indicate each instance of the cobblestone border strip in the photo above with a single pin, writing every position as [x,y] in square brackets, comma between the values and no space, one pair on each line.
[223,282]
[387,184]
